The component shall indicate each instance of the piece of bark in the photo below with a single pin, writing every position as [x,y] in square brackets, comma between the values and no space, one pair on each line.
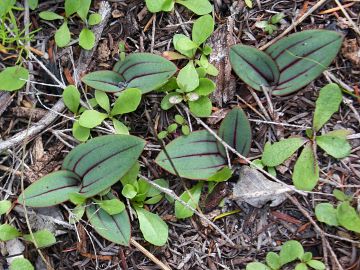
[5,100]
[221,41]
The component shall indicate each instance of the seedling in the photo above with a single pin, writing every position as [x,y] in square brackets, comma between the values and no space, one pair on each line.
[81,8]
[191,85]
[289,64]
[271,25]
[343,215]
[179,121]
[334,143]
[199,7]
[291,251]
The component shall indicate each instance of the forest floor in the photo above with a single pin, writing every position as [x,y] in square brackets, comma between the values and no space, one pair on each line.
[192,243]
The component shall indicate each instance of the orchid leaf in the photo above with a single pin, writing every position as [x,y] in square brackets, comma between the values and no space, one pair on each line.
[51,189]
[102,161]
[306,170]
[104,80]
[145,71]
[327,104]
[253,66]
[195,156]
[115,228]
[302,57]
[235,130]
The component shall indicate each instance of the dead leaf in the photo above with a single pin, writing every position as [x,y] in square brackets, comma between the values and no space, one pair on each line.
[255,189]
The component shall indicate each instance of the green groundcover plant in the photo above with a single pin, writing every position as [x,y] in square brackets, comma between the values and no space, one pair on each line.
[289,64]
[271,25]
[334,143]
[343,215]
[191,84]
[199,7]
[85,179]
[291,252]
[81,9]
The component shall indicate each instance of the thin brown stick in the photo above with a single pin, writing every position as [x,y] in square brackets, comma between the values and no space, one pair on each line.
[149,255]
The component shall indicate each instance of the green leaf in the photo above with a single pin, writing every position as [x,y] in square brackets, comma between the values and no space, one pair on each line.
[145,71]
[325,212]
[180,41]
[52,189]
[188,79]
[71,98]
[327,104]
[199,7]
[33,4]
[306,257]
[201,107]
[172,128]
[153,228]
[42,238]
[254,67]
[50,16]
[86,39]
[302,57]
[273,260]
[202,29]
[13,78]
[71,6]
[257,266]
[235,130]
[5,206]
[170,100]
[221,175]
[348,217]
[341,196]
[191,197]
[318,265]
[77,213]
[112,206]
[277,18]
[94,19]
[83,9]
[162,134]
[92,118]
[129,191]
[159,5]
[291,251]
[21,264]
[104,80]
[301,266]
[62,35]
[77,198]
[179,119]
[206,87]
[185,129]
[127,101]
[153,191]
[276,153]
[334,143]
[131,175]
[306,170]
[103,100]
[120,128]
[102,161]
[8,232]
[195,156]
[115,228]
[79,132]
[249,3]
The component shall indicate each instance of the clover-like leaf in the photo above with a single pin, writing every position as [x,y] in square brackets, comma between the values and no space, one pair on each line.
[51,189]
[102,161]
[254,67]
[327,104]
[235,130]
[306,170]
[302,57]
[195,156]
[115,228]
[145,71]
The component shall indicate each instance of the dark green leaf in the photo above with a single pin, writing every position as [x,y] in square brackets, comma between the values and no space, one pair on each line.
[306,170]
[303,56]
[195,156]
[51,189]
[104,80]
[235,130]
[102,161]
[276,153]
[145,71]
[114,228]
[254,67]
